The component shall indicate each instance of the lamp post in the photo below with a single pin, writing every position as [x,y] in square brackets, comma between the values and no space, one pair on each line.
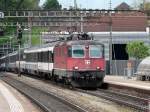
[81,21]
[19,49]
[10,43]
[75,4]
[19,74]
[110,46]
[19,37]
[30,29]
[9,50]
[144,2]
[110,40]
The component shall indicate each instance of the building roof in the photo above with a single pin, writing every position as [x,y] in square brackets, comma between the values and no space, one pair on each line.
[121,37]
[123,6]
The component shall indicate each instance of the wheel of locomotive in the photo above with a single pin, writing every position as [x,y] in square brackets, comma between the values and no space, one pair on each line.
[143,78]
[42,75]
[46,76]
[16,71]
[49,76]
[56,78]
[35,72]
[65,81]
[38,73]
[147,78]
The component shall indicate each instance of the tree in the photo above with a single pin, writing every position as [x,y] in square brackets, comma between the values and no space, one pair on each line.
[51,5]
[142,5]
[147,7]
[16,5]
[137,50]
[30,4]
[19,4]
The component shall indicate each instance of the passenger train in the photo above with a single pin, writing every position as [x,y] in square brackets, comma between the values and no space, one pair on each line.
[78,61]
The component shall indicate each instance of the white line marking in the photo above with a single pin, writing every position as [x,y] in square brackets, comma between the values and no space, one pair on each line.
[14,104]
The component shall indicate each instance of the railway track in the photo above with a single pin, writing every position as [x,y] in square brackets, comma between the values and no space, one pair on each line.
[49,102]
[140,104]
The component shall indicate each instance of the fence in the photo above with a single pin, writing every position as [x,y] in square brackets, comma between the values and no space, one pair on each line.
[119,67]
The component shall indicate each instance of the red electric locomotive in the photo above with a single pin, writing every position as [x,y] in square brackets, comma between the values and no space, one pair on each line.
[80,62]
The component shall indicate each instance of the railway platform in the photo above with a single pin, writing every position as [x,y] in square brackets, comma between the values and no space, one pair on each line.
[125,82]
[13,101]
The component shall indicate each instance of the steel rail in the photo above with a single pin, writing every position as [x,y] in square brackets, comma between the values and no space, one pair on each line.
[119,98]
[71,10]
[125,95]
[14,83]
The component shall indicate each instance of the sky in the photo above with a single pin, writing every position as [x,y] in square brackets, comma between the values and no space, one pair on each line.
[93,4]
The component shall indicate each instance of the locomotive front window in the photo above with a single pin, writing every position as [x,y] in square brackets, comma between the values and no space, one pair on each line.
[78,51]
[96,51]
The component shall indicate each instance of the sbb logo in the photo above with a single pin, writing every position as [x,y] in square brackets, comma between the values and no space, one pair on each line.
[87,62]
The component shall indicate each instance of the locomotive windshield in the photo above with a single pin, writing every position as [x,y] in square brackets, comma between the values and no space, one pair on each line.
[77,51]
[95,51]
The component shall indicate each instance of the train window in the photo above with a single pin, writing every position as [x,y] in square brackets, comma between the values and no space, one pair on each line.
[52,57]
[45,56]
[96,51]
[28,57]
[32,57]
[78,51]
[69,52]
[40,56]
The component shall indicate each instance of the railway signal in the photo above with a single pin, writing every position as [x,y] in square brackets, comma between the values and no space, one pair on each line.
[19,33]
[19,36]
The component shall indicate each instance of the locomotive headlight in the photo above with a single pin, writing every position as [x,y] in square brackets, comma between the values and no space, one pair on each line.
[98,68]
[76,68]
[86,47]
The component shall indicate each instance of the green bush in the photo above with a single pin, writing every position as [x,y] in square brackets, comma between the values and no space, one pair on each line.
[137,49]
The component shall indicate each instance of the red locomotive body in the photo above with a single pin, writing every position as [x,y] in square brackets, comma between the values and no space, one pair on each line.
[80,63]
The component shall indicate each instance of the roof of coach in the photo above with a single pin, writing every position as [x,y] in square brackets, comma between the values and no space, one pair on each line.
[3,57]
[39,50]
[13,53]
